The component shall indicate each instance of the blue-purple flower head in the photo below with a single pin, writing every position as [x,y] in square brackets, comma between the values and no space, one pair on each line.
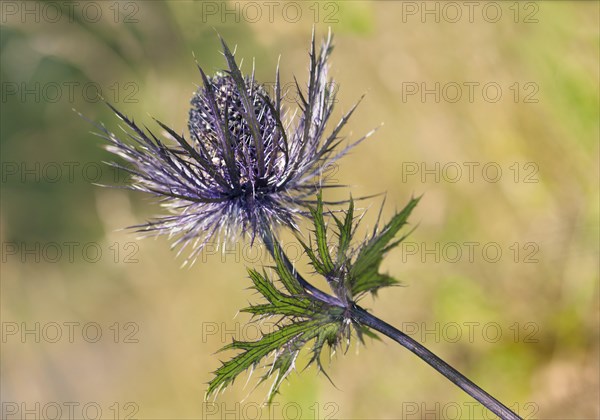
[249,166]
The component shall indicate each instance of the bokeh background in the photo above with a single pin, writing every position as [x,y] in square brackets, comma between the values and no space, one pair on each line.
[523,325]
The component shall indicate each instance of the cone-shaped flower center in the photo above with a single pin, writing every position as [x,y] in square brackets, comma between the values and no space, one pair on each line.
[203,125]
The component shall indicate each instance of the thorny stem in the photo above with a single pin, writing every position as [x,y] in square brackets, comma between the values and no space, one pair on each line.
[361,316]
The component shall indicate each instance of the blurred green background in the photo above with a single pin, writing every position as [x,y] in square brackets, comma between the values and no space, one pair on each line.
[524,325]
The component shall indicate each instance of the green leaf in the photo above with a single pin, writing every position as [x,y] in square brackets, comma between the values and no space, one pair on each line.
[285,275]
[364,276]
[279,303]
[345,232]
[321,235]
[307,320]
[254,352]
[316,262]
[371,282]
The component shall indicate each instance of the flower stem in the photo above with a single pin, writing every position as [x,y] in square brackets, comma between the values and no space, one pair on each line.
[271,243]
[361,316]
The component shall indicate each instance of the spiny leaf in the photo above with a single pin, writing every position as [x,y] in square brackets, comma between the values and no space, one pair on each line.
[307,319]
[364,274]
[285,275]
[345,232]
[279,303]
[372,282]
[283,365]
[254,352]
[321,235]
[316,262]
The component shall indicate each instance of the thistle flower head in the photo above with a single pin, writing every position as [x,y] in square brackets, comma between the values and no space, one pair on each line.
[247,167]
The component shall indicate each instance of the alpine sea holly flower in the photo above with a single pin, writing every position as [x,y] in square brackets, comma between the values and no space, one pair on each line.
[248,167]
